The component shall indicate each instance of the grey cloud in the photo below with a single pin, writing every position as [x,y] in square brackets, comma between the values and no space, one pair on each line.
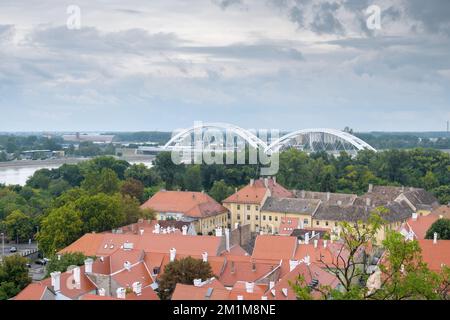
[325,20]
[6,32]
[225,4]
[91,40]
[433,14]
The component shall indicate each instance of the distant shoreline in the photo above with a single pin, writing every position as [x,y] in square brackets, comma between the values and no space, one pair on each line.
[59,162]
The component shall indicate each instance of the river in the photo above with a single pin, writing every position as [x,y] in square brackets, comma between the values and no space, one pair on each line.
[18,173]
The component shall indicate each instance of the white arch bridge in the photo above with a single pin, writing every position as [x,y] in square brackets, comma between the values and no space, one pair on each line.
[227,137]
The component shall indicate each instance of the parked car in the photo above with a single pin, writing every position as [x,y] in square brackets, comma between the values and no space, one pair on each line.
[12,249]
[41,262]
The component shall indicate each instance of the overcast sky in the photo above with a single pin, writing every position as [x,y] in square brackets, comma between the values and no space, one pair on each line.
[285,64]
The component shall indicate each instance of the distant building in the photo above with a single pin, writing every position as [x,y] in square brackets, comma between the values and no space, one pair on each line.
[40,154]
[94,138]
[197,207]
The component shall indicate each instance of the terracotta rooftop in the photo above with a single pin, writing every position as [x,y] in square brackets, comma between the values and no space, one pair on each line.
[192,204]
[443,211]
[256,191]
[421,225]
[274,247]
[209,290]
[436,254]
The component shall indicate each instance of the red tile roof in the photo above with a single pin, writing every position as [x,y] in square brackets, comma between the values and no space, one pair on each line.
[274,247]
[256,192]
[138,273]
[190,292]
[287,225]
[421,225]
[328,255]
[192,204]
[34,291]
[309,272]
[239,289]
[246,271]
[436,254]
[108,243]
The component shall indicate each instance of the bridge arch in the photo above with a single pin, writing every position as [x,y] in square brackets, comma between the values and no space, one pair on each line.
[246,135]
[326,139]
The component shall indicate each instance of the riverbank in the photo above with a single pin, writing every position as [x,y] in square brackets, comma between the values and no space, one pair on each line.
[59,162]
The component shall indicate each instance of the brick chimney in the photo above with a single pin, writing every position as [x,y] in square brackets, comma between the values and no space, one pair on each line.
[173,253]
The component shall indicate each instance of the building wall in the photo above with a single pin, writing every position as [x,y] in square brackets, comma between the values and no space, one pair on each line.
[202,225]
[270,221]
[245,214]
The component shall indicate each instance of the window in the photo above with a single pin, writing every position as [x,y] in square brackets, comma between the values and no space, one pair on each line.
[317,222]
[264,218]
[276,218]
[335,224]
[305,221]
[239,207]
[248,207]
[256,217]
[326,223]
[248,217]
[256,208]
[238,216]
[270,218]
[229,215]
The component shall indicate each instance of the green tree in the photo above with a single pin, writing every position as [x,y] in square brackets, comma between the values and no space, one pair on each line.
[100,212]
[133,188]
[60,228]
[64,261]
[13,276]
[193,178]
[169,172]
[182,271]
[130,209]
[148,176]
[19,226]
[441,227]
[220,190]
[430,181]
[105,182]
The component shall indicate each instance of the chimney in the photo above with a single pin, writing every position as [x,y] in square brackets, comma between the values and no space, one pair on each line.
[173,253]
[302,193]
[274,178]
[227,239]
[157,228]
[249,286]
[236,225]
[76,276]
[141,232]
[368,202]
[184,230]
[266,182]
[403,189]
[307,238]
[127,265]
[313,234]
[271,285]
[414,216]
[137,288]
[435,236]
[253,266]
[325,243]
[205,256]
[328,196]
[370,187]
[316,242]
[197,282]
[240,297]
[59,257]
[232,267]
[285,292]
[307,260]
[252,182]
[121,293]
[441,216]
[88,265]
[292,264]
[56,280]
[101,292]
[219,232]
[263,297]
